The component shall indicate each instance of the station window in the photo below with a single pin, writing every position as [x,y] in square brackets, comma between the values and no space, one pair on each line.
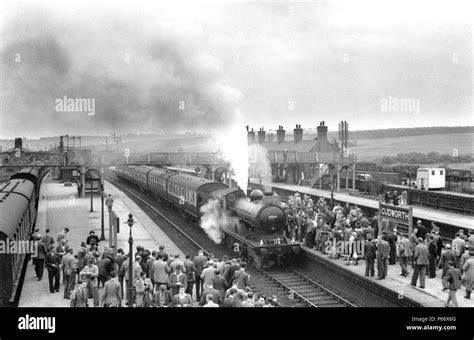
[432,172]
[441,172]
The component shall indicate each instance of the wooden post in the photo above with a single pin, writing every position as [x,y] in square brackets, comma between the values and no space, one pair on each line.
[353,177]
[111,228]
[410,221]
[380,220]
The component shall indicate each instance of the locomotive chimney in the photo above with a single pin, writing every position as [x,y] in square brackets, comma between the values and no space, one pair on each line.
[261,136]
[251,136]
[18,143]
[280,134]
[298,133]
[322,136]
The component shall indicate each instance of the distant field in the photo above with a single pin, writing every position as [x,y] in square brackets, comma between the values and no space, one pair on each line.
[457,166]
[370,149]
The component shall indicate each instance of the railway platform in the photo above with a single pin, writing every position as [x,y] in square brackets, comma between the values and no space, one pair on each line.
[394,284]
[59,207]
[444,217]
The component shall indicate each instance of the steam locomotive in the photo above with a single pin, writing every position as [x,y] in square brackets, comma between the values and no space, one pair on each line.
[18,207]
[258,229]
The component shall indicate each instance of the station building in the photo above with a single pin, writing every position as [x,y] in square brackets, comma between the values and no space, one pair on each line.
[296,160]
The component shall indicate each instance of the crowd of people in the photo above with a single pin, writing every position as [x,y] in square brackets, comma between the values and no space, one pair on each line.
[345,231]
[158,279]
[396,198]
[163,280]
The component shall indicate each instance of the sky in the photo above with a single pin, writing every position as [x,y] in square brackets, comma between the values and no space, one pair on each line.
[205,66]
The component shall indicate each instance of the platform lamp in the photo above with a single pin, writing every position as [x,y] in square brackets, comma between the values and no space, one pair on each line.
[102,236]
[130,223]
[92,196]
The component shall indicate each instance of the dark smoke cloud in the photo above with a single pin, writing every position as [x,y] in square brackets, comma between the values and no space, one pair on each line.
[69,57]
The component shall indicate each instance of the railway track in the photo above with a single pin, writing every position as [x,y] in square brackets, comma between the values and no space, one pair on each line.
[292,288]
[307,291]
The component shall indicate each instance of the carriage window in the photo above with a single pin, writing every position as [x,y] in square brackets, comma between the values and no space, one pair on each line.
[432,172]
[441,172]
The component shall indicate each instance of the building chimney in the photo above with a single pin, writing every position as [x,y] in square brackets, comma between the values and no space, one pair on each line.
[251,136]
[298,133]
[280,134]
[261,136]
[322,136]
[18,143]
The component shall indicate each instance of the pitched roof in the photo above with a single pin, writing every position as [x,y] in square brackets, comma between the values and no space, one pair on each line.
[303,146]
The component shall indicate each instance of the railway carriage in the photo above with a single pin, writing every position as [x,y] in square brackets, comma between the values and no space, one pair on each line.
[18,207]
[189,193]
[140,177]
[157,182]
[126,173]
[17,217]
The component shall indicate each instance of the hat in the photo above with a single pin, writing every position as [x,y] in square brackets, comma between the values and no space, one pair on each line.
[420,239]
[448,246]
[418,222]
[91,232]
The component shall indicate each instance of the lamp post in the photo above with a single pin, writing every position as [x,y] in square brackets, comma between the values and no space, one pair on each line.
[92,197]
[102,237]
[109,202]
[130,223]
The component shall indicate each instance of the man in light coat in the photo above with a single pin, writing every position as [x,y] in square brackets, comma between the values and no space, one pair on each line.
[383,251]
[458,248]
[69,270]
[421,263]
[468,270]
[453,277]
[405,252]
[208,274]
[159,272]
[112,294]
[136,271]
